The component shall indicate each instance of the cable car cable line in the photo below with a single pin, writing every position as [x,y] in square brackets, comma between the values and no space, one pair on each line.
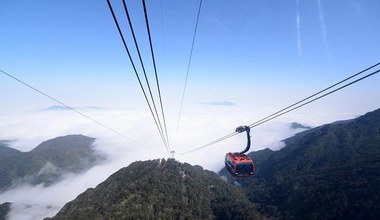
[235,36]
[315,94]
[144,71]
[189,63]
[315,99]
[294,107]
[71,108]
[134,68]
[155,72]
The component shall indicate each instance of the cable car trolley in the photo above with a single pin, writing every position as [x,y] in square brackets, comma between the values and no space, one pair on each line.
[238,164]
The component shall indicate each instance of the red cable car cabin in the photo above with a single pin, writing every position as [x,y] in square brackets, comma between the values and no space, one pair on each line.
[238,164]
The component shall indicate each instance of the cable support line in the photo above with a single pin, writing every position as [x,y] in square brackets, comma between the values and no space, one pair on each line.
[243,22]
[229,47]
[315,99]
[155,71]
[189,64]
[71,108]
[211,143]
[144,71]
[315,94]
[134,68]
[297,105]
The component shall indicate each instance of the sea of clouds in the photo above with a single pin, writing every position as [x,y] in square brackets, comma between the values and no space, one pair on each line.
[197,127]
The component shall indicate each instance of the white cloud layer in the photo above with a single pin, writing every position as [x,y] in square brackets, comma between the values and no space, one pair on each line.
[204,124]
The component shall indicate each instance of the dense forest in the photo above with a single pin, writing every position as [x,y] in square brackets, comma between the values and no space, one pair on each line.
[161,189]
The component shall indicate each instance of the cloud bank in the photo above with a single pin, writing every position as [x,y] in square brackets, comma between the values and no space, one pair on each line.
[198,126]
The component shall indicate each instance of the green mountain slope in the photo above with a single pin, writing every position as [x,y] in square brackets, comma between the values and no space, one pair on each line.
[161,189]
[48,161]
[329,172]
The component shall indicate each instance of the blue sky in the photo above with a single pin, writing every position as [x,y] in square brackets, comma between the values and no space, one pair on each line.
[245,52]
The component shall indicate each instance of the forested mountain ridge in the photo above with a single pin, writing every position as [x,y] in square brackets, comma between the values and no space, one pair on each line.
[329,172]
[48,161]
[161,189]
[6,151]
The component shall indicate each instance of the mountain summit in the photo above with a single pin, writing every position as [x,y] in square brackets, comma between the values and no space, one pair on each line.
[161,189]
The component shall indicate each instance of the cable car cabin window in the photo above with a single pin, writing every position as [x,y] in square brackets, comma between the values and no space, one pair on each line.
[244,168]
[229,162]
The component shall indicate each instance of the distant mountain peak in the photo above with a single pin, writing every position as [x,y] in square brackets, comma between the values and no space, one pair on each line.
[63,108]
[296,125]
[57,107]
[73,140]
[48,161]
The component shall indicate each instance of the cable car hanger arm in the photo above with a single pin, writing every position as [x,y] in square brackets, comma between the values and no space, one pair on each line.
[241,129]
